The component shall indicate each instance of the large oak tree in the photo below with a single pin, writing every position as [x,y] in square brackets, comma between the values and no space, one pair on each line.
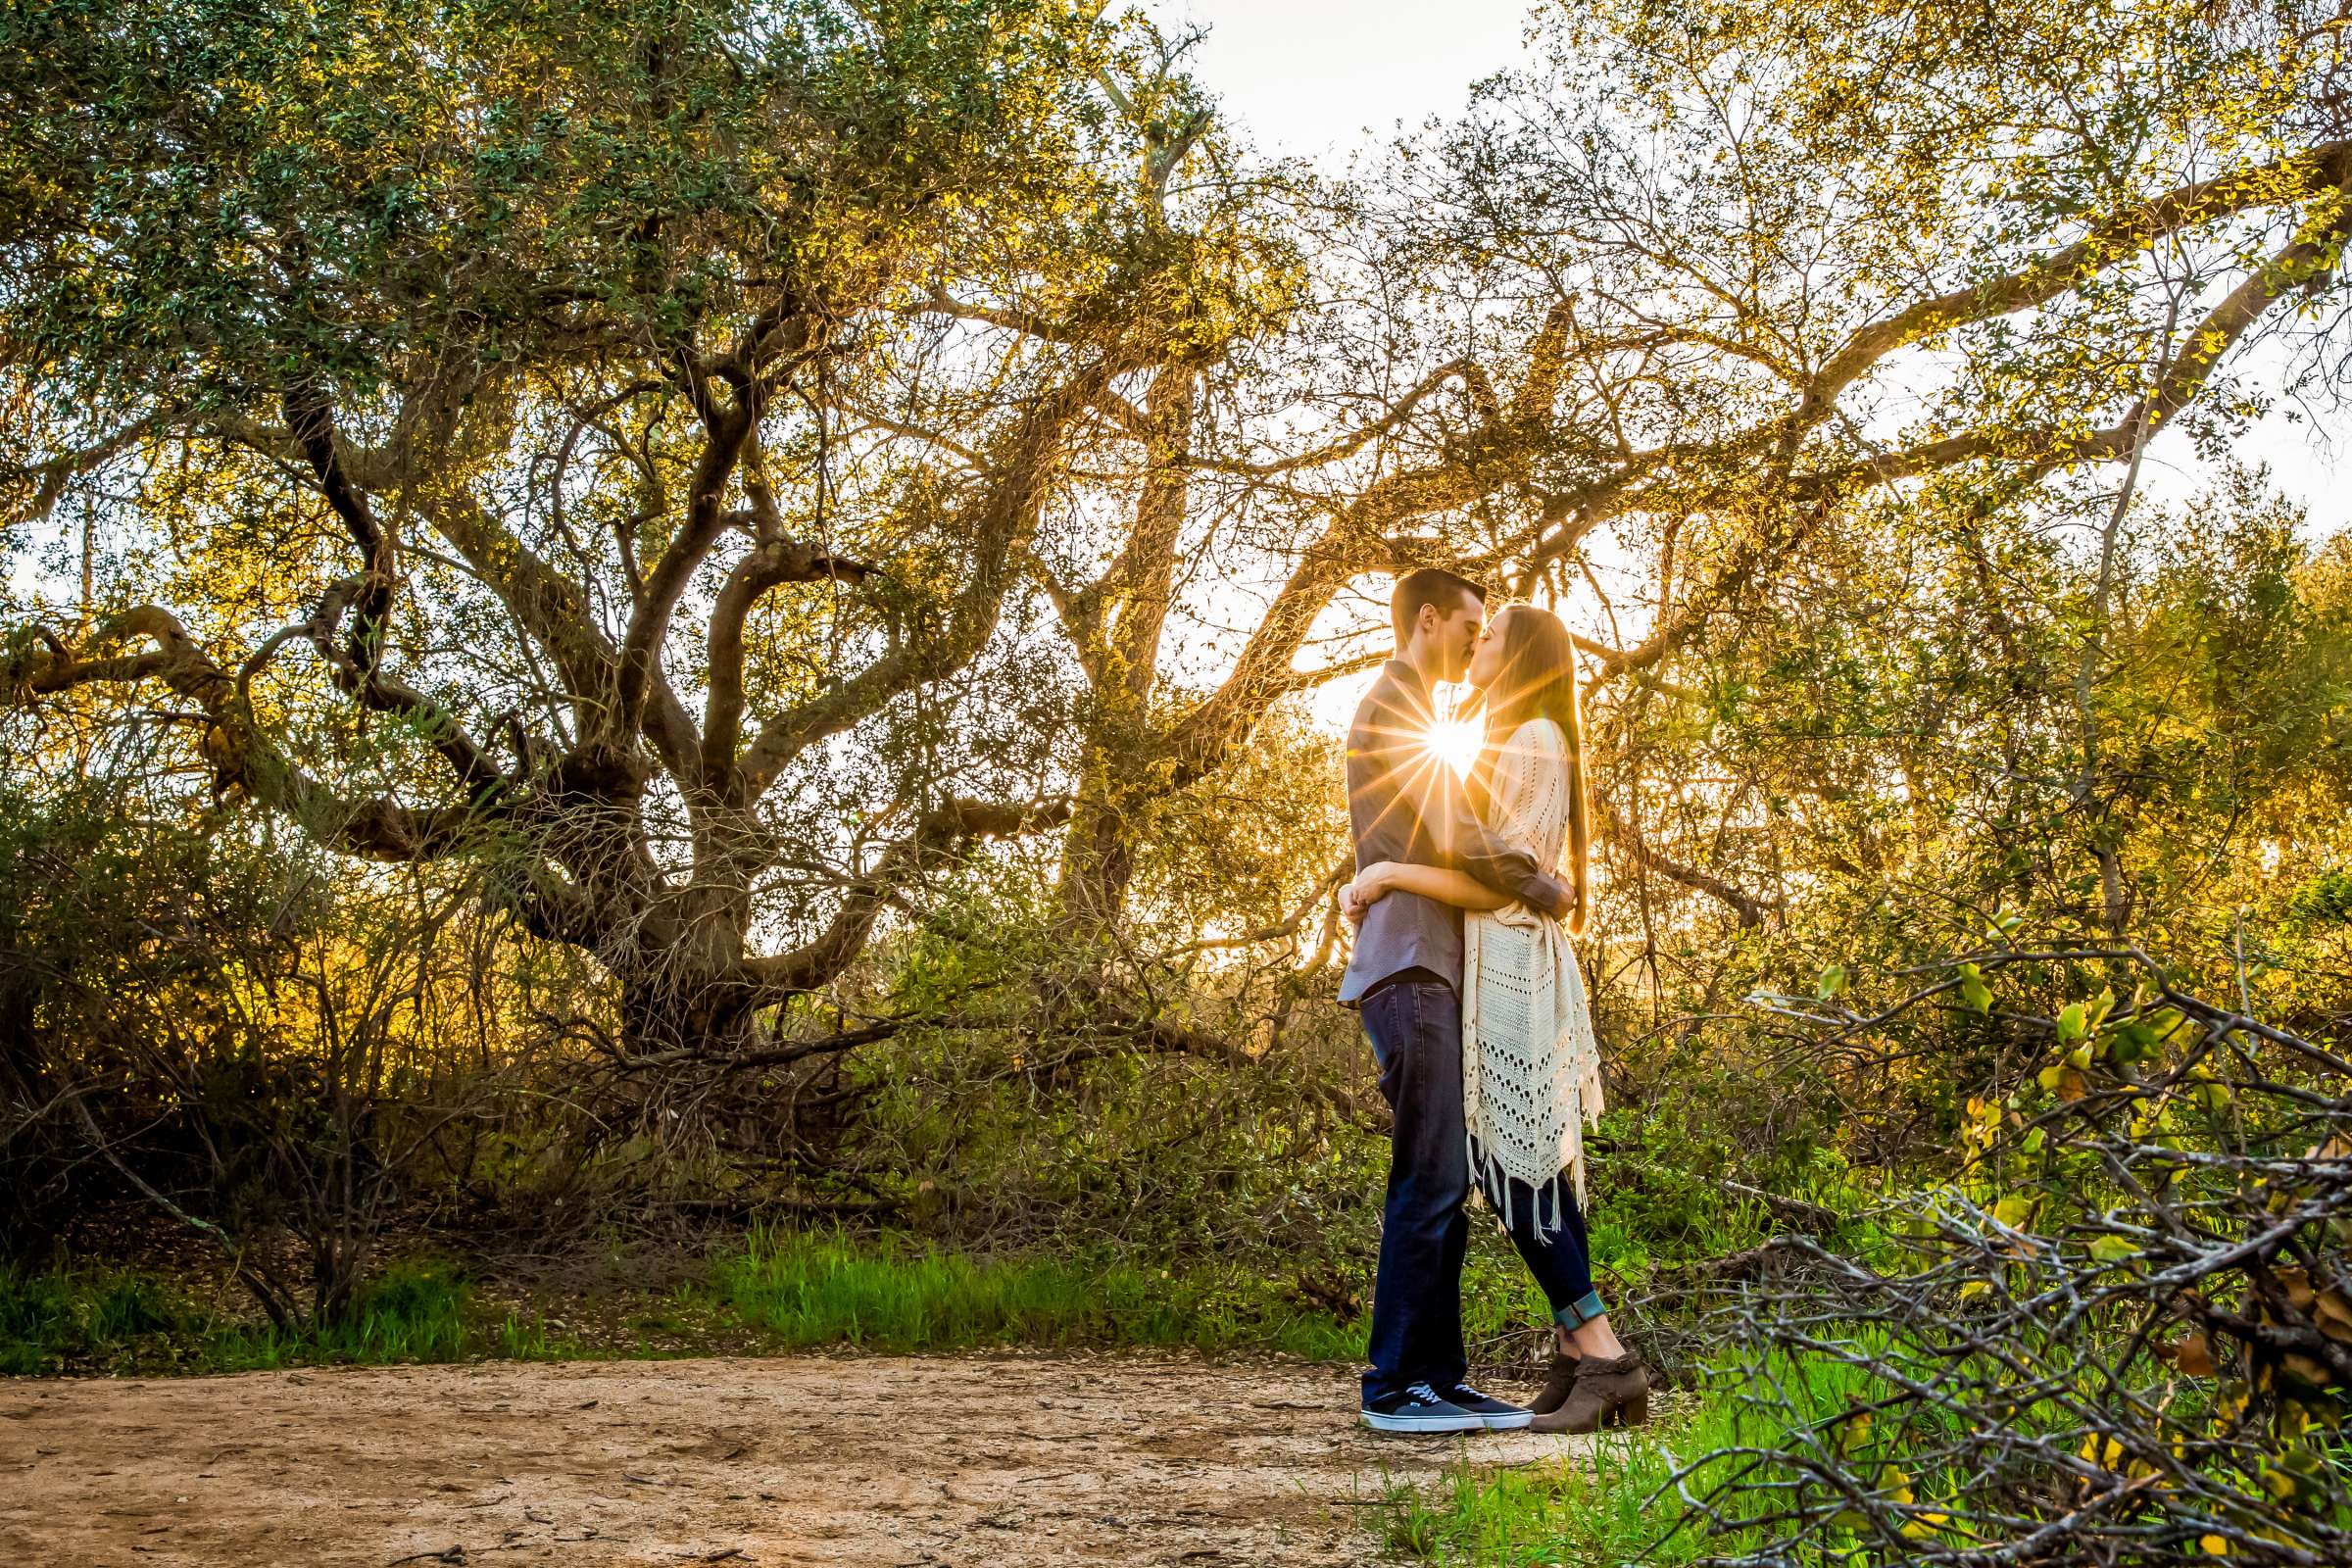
[709,462]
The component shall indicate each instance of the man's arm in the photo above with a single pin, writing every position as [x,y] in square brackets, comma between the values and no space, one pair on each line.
[1469,845]
[1441,883]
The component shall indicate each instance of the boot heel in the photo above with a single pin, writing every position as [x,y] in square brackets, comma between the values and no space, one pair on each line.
[1635,1413]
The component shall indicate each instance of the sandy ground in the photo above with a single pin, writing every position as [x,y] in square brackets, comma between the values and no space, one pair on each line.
[1027,1459]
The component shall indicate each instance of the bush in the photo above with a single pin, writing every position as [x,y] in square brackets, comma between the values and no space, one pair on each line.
[2122,1331]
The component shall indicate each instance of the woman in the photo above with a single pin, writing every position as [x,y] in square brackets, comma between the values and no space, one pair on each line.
[1531,1072]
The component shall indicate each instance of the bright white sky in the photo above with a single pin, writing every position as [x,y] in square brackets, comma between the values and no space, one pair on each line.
[1324,79]
[1310,76]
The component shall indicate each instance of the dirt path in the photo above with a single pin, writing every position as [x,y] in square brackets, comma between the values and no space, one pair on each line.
[1016,1459]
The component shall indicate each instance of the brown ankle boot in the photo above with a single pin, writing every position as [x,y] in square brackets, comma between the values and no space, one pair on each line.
[1558,1379]
[1611,1392]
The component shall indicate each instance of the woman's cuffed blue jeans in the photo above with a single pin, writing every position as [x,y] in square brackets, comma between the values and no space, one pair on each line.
[1560,1260]
[1415,1025]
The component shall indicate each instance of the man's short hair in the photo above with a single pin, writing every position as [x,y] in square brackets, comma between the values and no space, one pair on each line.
[1428,585]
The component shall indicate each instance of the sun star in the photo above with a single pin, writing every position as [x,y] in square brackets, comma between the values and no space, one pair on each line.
[1454,743]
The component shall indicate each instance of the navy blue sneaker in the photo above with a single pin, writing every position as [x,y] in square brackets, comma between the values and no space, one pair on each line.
[1418,1407]
[1499,1415]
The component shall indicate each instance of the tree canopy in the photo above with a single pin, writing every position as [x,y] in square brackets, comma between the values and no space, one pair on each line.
[705,467]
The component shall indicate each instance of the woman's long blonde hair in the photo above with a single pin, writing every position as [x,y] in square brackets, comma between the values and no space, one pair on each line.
[1537,680]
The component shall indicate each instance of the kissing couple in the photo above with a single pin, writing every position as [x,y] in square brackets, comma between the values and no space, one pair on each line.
[1469,991]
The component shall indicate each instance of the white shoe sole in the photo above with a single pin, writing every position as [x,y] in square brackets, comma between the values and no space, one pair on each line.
[1508,1423]
[1403,1422]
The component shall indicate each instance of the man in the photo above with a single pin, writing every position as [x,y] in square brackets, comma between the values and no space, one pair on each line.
[1406,975]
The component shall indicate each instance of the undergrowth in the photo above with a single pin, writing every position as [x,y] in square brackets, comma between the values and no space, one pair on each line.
[782,1290]
[1616,1503]
[68,1320]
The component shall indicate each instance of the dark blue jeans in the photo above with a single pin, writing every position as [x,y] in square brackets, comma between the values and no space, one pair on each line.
[1415,1027]
[1416,1031]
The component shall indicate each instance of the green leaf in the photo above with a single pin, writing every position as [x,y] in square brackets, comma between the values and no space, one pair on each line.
[1832,982]
[2070,1022]
[2113,1249]
[2133,1042]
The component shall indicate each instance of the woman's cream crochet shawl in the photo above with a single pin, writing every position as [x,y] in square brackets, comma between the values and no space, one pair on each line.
[1531,1068]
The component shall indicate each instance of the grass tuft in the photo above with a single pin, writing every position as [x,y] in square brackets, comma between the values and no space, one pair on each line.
[411,1313]
[71,1320]
[50,1317]
[808,1288]
[1615,1504]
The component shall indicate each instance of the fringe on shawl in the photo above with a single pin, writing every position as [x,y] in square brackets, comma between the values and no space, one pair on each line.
[1495,1183]
[1485,1164]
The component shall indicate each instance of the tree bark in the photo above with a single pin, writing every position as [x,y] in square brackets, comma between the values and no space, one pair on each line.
[1121,632]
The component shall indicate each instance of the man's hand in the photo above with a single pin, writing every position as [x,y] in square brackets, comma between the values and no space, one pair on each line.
[1370,886]
[1569,898]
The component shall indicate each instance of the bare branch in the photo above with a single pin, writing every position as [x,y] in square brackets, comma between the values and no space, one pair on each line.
[938,835]
[240,755]
[999,521]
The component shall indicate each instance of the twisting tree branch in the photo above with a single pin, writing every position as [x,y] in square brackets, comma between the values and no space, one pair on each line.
[940,833]
[376,828]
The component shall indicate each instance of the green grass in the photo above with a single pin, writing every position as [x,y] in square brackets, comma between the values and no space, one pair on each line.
[784,1289]
[1606,1508]
[408,1313]
[120,1320]
[49,1317]
[1584,1511]
[806,1288]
